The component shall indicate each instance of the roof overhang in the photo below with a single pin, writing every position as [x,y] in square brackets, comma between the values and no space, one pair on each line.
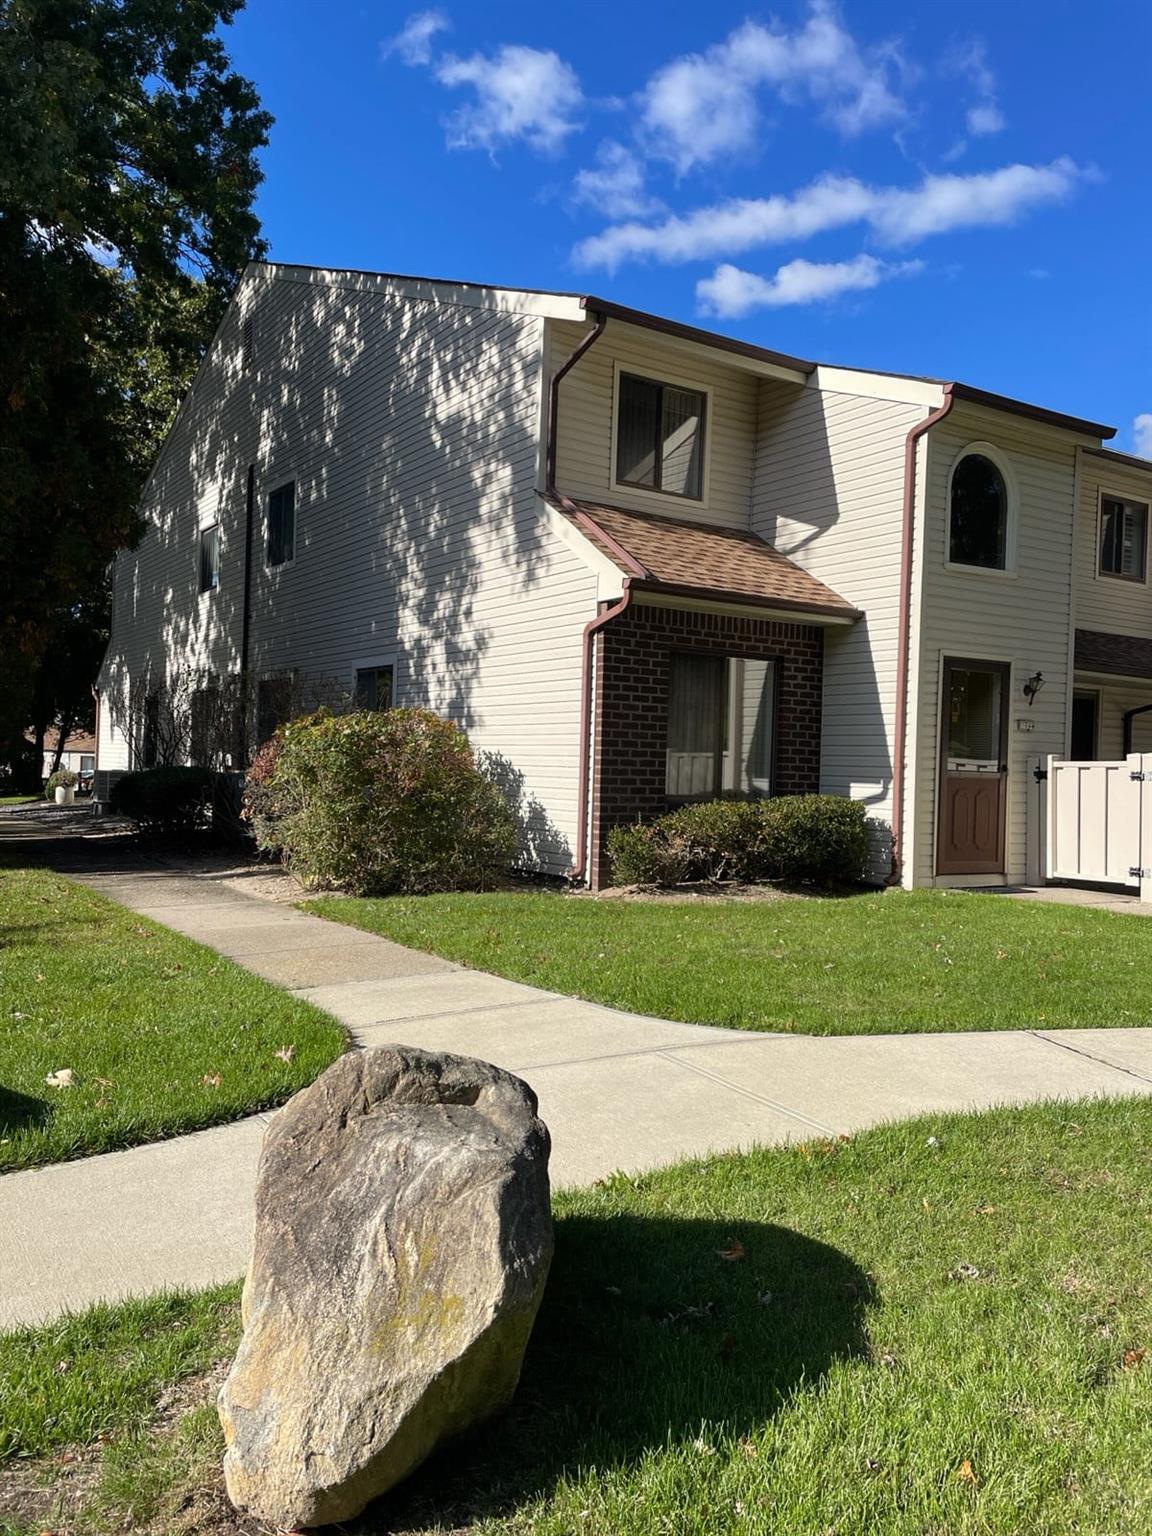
[710,600]
[753,359]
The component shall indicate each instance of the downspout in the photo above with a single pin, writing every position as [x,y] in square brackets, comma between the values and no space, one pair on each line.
[903,636]
[246,616]
[1128,717]
[590,629]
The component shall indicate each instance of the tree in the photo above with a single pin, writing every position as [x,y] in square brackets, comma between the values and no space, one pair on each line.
[128,171]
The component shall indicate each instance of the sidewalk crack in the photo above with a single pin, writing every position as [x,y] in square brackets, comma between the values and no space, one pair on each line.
[1078,1050]
[750,1093]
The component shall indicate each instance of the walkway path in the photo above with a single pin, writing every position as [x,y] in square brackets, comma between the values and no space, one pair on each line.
[617,1090]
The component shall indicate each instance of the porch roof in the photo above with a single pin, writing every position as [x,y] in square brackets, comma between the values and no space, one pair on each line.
[1121,655]
[698,560]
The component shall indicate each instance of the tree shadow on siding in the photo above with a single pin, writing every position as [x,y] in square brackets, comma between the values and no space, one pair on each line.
[411,433]
[540,842]
[647,1338]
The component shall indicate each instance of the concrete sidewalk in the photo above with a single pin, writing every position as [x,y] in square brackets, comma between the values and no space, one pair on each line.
[617,1090]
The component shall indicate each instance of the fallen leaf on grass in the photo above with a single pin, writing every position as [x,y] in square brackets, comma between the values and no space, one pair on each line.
[211,1079]
[985,1210]
[733,1253]
[965,1474]
[1132,1357]
[61,1079]
[285,1053]
[965,1272]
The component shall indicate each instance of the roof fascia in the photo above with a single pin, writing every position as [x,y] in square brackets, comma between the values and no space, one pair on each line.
[902,389]
[429,290]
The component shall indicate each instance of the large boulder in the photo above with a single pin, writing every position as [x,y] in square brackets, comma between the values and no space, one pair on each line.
[403,1237]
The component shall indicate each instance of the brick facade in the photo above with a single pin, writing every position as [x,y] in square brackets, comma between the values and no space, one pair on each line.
[631,707]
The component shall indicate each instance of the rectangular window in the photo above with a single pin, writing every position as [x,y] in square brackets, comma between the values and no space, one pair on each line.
[660,437]
[282,524]
[721,714]
[87,763]
[210,558]
[1123,538]
[374,688]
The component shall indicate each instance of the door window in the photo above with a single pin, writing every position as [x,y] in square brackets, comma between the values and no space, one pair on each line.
[975,701]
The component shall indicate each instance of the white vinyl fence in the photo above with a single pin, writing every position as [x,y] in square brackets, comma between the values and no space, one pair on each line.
[1100,822]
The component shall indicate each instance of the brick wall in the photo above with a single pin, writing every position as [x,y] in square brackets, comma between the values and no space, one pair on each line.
[631,706]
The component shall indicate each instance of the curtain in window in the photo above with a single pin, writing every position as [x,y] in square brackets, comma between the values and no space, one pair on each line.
[757,721]
[681,435]
[1123,531]
[697,725]
[638,428]
[282,524]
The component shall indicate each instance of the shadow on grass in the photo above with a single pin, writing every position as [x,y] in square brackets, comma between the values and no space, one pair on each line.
[20,1111]
[647,1337]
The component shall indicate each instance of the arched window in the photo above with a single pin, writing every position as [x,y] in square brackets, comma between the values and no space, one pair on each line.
[978,521]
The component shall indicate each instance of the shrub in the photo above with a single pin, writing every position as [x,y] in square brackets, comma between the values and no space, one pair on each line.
[815,839]
[806,839]
[63,778]
[166,801]
[715,840]
[377,802]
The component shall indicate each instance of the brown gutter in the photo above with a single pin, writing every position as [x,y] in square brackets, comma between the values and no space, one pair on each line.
[582,799]
[586,344]
[1033,412]
[673,590]
[903,638]
[682,332]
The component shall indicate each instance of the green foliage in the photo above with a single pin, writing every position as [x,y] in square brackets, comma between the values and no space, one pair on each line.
[376,802]
[127,176]
[262,805]
[63,778]
[806,839]
[166,801]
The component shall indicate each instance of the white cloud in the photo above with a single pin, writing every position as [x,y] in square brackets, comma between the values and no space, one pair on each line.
[730,292]
[1142,435]
[414,40]
[704,105]
[971,61]
[614,186]
[898,216]
[521,93]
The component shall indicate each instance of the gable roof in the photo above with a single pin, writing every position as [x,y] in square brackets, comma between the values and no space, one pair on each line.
[700,560]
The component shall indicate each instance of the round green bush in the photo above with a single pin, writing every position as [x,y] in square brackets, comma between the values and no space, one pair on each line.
[379,802]
[63,778]
[167,801]
[800,839]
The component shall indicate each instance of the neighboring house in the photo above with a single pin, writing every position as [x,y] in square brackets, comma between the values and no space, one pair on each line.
[640,563]
[79,754]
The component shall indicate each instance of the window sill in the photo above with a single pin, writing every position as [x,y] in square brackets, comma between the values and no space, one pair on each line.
[1000,572]
[662,498]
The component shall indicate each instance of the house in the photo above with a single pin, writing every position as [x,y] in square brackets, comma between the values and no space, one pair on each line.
[78,755]
[639,562]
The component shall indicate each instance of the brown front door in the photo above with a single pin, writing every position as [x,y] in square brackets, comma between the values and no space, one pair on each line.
[973,768]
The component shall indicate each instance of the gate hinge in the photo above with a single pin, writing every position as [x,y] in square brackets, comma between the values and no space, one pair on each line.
[1136,873]
[1039,774]
[1138,776]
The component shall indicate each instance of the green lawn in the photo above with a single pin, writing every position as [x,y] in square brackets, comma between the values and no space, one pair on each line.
[874,963]
[940,1328]
[160,1034]
[18,799]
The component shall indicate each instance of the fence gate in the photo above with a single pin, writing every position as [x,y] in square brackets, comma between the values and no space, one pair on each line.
[1100,822]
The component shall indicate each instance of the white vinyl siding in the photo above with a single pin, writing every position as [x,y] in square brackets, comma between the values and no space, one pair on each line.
[829,494]
[1022,619]
[1108,603]
[585,446]
[411,430]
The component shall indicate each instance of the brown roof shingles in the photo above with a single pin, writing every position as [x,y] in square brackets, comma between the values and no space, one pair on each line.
[1124,655]
[673,555]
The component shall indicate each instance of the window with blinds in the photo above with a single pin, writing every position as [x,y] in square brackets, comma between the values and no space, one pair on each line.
[1123,538]
[721,726]
[660,437]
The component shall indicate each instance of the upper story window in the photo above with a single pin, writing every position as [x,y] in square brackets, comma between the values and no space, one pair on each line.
[1123,538]
[660,437]
[978,514]
[282,524]
[210,558]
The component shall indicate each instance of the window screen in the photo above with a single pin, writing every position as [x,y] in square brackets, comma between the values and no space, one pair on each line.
[1123,538]
[282,524]
[660,437]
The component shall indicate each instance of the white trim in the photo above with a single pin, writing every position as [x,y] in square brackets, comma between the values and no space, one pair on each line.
[1012,512]
[661,499]
[876,386]
[609,576]
[376,664]
[430,290]
[265,526]
[969,882]
[942,658]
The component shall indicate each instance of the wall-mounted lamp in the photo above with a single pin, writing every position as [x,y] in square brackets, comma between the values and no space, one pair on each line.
[1032,687]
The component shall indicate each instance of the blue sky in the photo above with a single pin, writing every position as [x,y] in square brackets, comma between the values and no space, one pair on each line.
[954,191]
